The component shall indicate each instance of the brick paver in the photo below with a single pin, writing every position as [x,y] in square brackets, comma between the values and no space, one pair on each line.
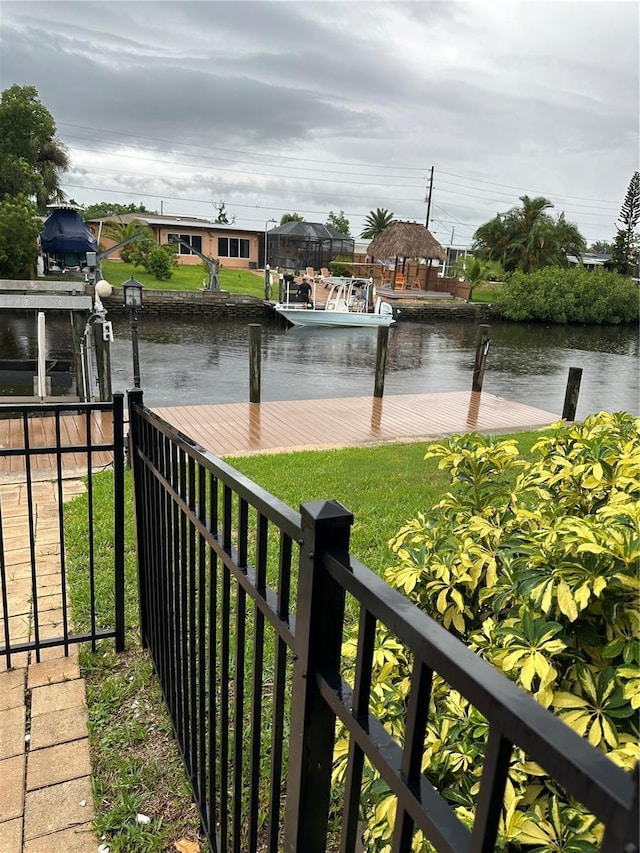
[58,727]
[11,689]
[80,839]
[11,836]
[57,807]
[58,764]
[11,787]
[57,697]
[12,732]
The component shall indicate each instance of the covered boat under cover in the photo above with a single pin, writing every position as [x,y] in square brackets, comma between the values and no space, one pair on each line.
[66,237]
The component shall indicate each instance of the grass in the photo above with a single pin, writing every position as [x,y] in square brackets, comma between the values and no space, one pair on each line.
[137,767]
[186,278]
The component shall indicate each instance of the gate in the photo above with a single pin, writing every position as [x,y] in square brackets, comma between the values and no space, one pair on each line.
[44,449]
[243,608]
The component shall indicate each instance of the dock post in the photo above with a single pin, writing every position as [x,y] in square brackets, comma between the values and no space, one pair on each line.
[571,395]
[482,348]
[103,361]
[255,356]
[381,360]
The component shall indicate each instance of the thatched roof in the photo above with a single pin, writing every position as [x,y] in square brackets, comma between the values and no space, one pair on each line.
[406,240]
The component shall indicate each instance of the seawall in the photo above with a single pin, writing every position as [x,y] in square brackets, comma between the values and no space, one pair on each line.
[222,304]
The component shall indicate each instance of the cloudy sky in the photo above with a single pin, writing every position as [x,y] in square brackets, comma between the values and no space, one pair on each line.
[282,105]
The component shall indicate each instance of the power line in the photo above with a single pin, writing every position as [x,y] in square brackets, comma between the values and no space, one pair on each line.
[228,159]
[212,177]
[524,189]
[243,171]
[164,196]
[242,151]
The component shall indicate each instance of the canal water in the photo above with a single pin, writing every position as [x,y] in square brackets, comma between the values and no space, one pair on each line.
[187,360]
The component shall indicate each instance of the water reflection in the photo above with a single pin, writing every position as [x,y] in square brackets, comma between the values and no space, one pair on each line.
[204,360]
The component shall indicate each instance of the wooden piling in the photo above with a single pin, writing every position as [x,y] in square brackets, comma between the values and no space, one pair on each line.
[381,360]
[482,348]
[571,395]
[255,361]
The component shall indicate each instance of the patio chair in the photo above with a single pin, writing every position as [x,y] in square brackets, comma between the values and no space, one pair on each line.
[310,273]
[400,281]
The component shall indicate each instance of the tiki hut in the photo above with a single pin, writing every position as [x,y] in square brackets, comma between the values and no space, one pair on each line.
[406,241]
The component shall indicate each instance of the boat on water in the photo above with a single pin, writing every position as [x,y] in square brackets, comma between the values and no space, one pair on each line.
[348,303]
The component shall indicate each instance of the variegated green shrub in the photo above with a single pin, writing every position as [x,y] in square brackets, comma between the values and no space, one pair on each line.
[534,565]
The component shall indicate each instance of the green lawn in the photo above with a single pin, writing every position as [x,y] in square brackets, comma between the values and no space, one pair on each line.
[186,278]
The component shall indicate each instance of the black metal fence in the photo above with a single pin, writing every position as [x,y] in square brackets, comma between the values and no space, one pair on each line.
[254,683]
[42,447]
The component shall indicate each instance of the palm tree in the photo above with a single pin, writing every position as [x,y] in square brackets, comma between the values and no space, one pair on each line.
[476,271]
[375,223]
[527,237]
[52,159]
[119,231]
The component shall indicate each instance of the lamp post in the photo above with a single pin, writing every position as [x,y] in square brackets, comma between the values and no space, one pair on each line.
[267,271]
[133,300]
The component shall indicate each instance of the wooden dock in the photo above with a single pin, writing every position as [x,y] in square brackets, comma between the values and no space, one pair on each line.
[239,429]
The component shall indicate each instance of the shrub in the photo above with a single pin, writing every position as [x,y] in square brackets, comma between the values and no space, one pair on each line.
[161,262]
[557,295]
[338,265]
[534,566]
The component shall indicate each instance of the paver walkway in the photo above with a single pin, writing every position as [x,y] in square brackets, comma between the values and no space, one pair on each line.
[46,802]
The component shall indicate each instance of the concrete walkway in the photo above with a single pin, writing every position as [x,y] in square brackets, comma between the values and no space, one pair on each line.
[46,802]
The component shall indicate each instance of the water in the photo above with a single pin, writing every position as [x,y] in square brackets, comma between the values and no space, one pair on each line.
[205,360]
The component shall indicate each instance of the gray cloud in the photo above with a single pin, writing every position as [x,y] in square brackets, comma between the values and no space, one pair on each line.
[532,96]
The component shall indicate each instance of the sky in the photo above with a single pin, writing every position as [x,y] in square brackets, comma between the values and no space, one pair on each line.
[278,106]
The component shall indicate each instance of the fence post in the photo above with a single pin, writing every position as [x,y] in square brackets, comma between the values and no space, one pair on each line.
[482,348]
[255,358]
[319,622]
[118,517]
[571,394]
[381,360]
[134,398]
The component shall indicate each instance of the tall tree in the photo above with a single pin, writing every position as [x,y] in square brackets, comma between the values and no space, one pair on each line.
[375,222]
[291,217]
[32,159]
[101,209]
[338,221]
[528,237]
[625,247]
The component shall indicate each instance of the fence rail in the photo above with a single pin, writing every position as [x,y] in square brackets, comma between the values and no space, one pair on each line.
[243,611]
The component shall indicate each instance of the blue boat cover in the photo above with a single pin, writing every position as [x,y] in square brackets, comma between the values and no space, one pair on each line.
[65,232]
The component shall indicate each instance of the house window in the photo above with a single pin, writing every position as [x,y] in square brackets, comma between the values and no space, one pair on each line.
[233,247]
[194,240]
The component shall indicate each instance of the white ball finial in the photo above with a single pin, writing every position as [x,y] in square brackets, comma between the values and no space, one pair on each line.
[103,288]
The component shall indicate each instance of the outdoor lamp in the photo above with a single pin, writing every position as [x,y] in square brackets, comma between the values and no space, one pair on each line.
[133,300]
[132,293]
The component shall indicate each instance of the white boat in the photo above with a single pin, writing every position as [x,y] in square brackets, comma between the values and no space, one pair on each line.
[346,304]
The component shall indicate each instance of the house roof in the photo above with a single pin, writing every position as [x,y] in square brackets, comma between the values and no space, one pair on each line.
[406,240]
[173,221]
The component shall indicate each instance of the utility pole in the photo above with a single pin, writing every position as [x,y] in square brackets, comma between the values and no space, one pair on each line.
[428,198]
